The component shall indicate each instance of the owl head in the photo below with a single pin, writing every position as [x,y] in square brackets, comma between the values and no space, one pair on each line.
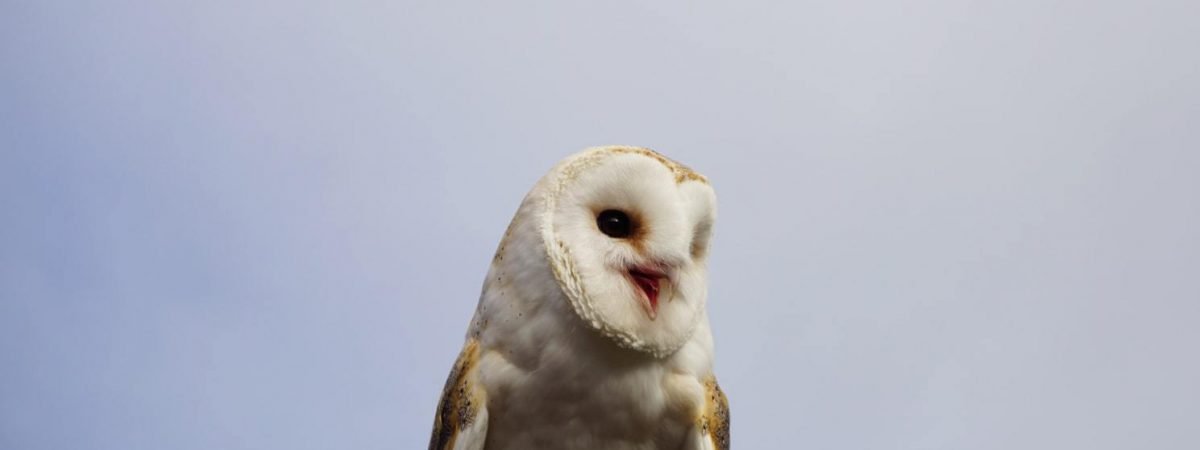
[625,233]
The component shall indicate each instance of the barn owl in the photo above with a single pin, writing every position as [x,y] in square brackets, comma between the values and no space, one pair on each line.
[591,331]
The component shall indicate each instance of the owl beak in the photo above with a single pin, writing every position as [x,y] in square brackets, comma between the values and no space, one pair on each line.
[649,281]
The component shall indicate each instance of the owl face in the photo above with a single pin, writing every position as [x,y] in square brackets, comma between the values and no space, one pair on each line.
[626,233]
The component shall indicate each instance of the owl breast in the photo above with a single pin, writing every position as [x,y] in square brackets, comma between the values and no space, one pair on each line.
[578,391]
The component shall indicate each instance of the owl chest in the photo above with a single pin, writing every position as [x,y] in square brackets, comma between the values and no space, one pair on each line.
[578,405]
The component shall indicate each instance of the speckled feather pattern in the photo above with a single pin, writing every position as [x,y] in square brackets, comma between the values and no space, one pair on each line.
[460,402]
[714,423]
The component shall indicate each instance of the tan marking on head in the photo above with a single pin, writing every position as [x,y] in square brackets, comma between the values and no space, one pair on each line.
[682,173]
[461,399]
[714,422]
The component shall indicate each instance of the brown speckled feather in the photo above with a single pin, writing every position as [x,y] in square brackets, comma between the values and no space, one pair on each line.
[460,402]
[715,422]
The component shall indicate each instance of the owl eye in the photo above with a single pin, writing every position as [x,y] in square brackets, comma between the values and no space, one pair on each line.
[615,224]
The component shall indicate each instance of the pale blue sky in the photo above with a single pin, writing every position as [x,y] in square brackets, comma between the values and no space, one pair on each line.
[943,224]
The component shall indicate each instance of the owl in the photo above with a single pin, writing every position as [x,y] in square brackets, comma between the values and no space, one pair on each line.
[591,331]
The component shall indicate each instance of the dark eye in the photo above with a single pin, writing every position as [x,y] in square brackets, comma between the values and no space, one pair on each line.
[614,223]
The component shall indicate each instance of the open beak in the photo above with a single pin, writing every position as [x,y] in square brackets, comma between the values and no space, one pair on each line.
[649,281]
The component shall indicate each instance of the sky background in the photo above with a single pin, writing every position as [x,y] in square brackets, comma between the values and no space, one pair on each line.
[264,225]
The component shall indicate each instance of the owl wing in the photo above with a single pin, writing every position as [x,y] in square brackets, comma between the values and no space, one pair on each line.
[712,427]
[462,419]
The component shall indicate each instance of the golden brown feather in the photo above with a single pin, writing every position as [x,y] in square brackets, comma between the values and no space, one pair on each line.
[460,399]
[715,421]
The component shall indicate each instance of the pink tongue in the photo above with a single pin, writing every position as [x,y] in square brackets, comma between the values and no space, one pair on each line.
[649,285]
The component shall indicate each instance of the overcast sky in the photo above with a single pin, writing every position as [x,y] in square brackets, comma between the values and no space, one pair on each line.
[943,225]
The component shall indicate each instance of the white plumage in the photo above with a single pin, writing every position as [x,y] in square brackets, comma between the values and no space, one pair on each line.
[591,332]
